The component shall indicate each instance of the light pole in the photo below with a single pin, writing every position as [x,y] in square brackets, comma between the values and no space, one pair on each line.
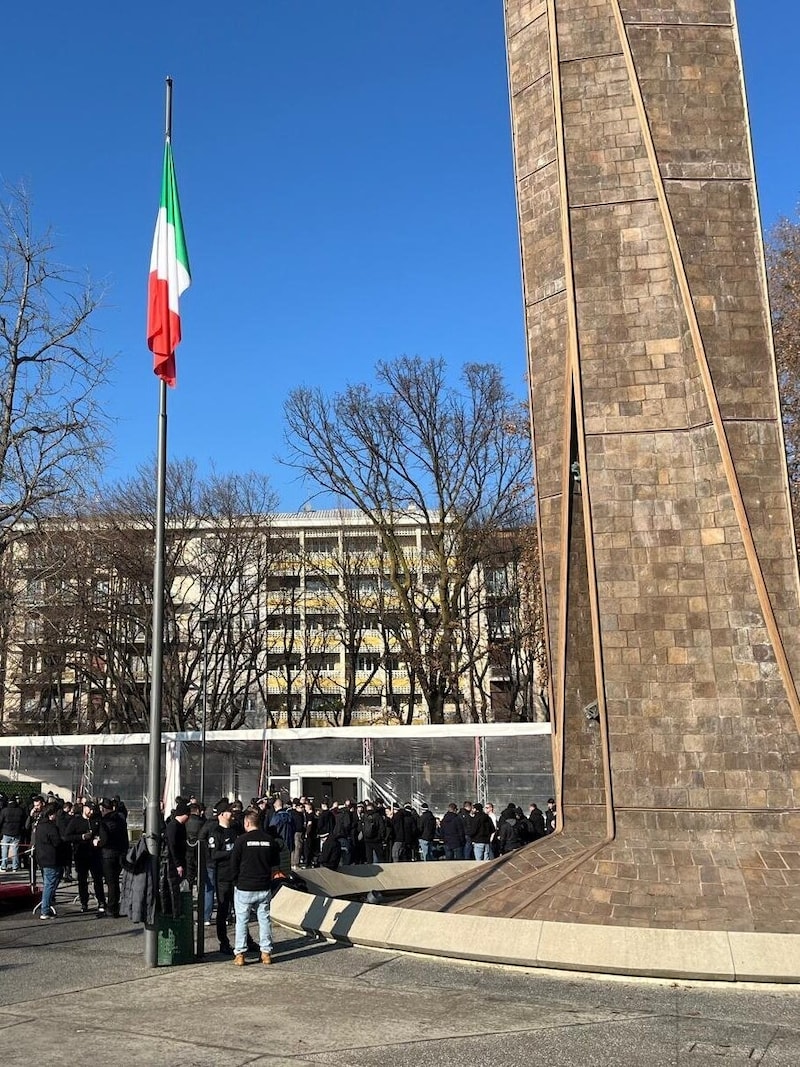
[207,624]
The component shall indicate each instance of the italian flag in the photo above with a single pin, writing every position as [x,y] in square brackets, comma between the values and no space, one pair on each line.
[169,276]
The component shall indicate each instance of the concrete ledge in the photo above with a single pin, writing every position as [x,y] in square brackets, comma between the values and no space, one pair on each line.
[389,877]
[653,953]
[686,954]
[765,957]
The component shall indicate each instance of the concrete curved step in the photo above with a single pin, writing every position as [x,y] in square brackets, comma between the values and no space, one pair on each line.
[385,878]
[635,951]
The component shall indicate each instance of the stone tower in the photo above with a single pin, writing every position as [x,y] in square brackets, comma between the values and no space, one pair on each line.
[670,572]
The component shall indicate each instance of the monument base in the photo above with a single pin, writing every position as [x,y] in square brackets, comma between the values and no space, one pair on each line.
[682,870]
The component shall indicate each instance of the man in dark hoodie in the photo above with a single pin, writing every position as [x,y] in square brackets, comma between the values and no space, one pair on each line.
[511,832]
[174,856]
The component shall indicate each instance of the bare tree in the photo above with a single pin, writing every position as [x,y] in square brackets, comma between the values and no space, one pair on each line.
[456,458]
[216,574]
[51,418]
[89,606]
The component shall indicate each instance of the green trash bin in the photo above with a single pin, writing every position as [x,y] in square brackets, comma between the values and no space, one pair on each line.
[176,935]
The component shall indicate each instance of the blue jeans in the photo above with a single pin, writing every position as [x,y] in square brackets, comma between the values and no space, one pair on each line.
[424,849]
[243,901]
[454,853]
[482,851]
[9,850]
[51,876]
[468,849]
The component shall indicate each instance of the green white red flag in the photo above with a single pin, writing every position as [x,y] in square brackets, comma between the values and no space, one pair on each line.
[169,276]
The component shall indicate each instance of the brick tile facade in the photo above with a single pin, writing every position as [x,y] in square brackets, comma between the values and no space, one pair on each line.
[679,527]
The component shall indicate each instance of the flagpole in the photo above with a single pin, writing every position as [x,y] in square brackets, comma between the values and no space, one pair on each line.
[153,816]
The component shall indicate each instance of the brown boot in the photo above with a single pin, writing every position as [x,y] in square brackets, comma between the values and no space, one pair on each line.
[266,958]
[238,959]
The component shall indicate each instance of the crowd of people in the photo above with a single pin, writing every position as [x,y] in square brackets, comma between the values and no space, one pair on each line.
[302,835]
[84,841]
[233,856]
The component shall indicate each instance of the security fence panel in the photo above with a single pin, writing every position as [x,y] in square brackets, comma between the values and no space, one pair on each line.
[122,770]
[322,750]
[437,770]
[519,769]
[58,768]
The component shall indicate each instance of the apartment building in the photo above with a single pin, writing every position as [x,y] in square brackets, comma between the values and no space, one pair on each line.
[294,620]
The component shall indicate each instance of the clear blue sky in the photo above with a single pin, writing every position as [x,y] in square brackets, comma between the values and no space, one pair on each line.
[346,180]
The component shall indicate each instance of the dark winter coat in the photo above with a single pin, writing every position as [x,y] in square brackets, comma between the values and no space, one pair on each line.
[373,826]
[12,820]
[194,824]
[138,890]
[511,834]
[536,823]
[331,854]
[114,833]
[86,855]
[221,841]
[326,822]
[51,849]
[481,828]
[404,828]
[452,830]
[283,823]
[427,826]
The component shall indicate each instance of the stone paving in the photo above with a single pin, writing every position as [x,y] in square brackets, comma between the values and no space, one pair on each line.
[76,990]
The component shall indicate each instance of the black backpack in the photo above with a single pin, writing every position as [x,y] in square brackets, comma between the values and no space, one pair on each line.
[372,826]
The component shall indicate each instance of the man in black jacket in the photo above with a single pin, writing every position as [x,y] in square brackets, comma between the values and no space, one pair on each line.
[221,840]
[12,823]
[453,834]
[343,830]
[536,822]
[83,833]
[37,808]
[254,855]
[174,856]
[427,831]
[194,824]
[113,846]
[50,854]
[511,833]
[481,830]
[209,826]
